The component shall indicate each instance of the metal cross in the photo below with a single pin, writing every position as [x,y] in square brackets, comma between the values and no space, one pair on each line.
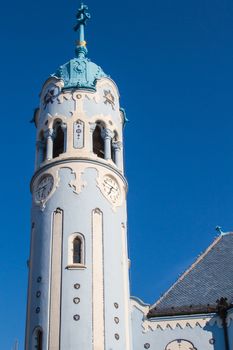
[82,17]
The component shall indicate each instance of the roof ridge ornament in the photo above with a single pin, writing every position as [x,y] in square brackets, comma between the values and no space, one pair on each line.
[219,230]
[82,17]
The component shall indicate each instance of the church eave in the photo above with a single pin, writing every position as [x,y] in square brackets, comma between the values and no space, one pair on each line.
[185,310]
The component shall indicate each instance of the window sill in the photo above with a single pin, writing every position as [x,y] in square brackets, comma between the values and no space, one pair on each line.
[76,267]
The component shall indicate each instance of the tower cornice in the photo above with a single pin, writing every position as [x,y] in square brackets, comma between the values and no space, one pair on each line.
[80,160]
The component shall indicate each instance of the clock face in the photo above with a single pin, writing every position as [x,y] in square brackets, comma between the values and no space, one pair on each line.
[111,189]
[43,188]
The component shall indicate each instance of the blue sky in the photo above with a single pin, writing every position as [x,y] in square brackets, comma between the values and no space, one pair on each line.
[173,63]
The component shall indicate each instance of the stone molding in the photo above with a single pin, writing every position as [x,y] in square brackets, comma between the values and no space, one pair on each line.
[85,161]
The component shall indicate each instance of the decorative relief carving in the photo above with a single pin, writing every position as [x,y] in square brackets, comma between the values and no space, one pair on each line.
[97,211]
[152,325]
[76,300]
[77,184]
[95,97]
[180,344]
[76,317]
[109,98]
[58,211]
[78,136]
[50,94]
[64,96]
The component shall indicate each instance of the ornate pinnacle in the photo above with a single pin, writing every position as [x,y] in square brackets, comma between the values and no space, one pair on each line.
[82,17]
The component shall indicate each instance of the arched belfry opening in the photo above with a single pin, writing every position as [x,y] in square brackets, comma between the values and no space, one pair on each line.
[98,142]
[59,140]
[41,148]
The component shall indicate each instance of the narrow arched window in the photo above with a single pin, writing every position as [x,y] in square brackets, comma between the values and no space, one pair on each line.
[98,142]
[39,339]
[77,250]
[59,140]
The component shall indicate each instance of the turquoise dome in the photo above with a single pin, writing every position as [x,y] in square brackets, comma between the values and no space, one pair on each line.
[80,72]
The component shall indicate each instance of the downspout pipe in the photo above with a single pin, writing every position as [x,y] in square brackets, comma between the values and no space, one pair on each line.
[222,307]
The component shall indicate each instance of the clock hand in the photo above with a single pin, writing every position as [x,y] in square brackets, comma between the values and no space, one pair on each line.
[110,190]
[41,188]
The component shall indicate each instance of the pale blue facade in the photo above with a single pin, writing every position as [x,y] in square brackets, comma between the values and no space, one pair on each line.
[78,292]
[203,331]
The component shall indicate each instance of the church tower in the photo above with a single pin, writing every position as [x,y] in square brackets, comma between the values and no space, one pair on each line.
[78,289]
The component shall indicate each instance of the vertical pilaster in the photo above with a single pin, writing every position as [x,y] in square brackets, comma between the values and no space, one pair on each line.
[117,146]
[29,296]
[107,135]
[55,289]
[92,128]
[49,139]
[98,281]
[64,129]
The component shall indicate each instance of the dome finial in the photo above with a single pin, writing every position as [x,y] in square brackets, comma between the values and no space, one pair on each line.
[82,16]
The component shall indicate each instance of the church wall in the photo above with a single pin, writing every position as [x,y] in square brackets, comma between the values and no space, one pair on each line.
[177,332]
[230,328]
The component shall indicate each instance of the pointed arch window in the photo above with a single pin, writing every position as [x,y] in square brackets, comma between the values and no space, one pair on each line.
[76,253]
[98,142]
[59,139]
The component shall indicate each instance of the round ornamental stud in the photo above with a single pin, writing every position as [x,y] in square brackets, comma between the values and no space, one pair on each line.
[117,336]
[116,305]
[39,279]
[76,317]
[38,294]
[76,300]
[147,346]
[212,341]
[116,320]
[76,286]
[37,310]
